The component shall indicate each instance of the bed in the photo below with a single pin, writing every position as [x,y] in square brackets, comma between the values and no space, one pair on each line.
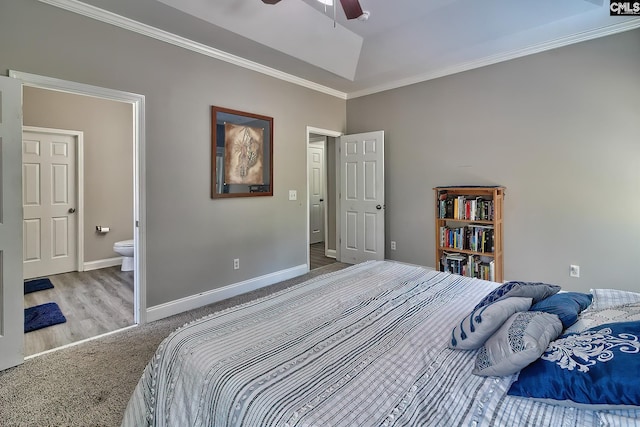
[369,345]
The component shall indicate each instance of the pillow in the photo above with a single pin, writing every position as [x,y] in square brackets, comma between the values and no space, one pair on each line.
[597,367]
[606,298]
[567,305]
[480,324]
[537,291]
[592,318]
[518,342]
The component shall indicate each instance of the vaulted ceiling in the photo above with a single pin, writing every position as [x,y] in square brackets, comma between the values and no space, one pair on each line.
[402,42]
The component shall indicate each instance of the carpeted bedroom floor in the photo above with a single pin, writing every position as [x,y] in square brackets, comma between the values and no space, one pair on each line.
[90,384]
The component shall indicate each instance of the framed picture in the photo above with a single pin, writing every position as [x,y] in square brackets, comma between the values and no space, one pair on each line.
[241,154]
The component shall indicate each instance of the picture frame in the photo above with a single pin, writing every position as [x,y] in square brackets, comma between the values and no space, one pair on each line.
[241,154]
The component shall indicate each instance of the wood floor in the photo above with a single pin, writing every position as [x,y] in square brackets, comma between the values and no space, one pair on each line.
[94,302]
[317,258]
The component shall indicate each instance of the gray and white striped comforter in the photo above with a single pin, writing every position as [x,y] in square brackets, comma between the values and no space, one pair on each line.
[364,346]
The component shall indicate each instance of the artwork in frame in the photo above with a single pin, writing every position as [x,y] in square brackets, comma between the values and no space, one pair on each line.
[241,154]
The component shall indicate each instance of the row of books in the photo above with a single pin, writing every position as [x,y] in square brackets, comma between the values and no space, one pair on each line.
[468,265]
[473,237]
[465,207]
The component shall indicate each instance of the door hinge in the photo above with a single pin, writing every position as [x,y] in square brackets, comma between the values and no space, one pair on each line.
[137,224]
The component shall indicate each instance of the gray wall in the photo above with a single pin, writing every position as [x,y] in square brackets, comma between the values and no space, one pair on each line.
[560,129]
[108,160]
[191,239]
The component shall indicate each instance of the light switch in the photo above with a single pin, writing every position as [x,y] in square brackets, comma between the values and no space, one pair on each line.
[293,195]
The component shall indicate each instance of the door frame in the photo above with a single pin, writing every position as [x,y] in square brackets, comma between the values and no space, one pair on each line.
[332,134]
[139,191]
[79,138]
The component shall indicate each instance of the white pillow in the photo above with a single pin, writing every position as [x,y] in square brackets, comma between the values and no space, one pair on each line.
[592,318]
[607,298]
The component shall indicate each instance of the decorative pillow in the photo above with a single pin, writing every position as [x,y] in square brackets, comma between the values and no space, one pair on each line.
[598,367]
[592,318]
[537,291]
[606,298]
[480,324]
[518,342]
[567,305]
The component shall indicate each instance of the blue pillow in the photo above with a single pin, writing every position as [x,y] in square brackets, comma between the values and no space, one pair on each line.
[535,290]
[567,305]
[596,369]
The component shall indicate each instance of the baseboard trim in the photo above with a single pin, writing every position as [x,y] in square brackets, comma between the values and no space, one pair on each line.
[102,263]
[331,253]
[181,305]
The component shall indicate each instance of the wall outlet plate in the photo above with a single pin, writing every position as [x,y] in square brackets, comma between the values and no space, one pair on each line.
[574,270]
[293,195]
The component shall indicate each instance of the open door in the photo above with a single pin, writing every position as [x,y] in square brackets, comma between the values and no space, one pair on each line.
[11,287]
[362,197]
[315,159]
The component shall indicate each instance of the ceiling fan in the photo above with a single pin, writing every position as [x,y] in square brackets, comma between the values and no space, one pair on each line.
[352,8]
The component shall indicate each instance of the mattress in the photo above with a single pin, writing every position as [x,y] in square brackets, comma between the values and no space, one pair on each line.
[363,346]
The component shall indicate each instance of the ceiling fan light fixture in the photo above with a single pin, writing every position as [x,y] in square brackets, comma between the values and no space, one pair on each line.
[326,2]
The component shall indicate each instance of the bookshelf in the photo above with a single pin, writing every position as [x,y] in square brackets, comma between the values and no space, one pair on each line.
[468,229]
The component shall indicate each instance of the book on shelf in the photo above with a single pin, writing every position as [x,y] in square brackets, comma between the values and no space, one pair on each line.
[480,267]
[472,237]
[465,207]
[453,263]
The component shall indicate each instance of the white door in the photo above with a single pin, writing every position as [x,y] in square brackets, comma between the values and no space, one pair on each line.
[49,197]
[362,197]
[316,193]
[11,288]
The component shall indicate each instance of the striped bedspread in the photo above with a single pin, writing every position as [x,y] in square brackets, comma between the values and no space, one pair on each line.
[363,346]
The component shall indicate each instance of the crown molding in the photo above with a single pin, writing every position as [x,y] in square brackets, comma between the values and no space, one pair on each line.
[111,18]
[494,59]
[105,16]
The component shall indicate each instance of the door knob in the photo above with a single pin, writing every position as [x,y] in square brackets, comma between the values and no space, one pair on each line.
[322,200]
[71,210]
[378,207]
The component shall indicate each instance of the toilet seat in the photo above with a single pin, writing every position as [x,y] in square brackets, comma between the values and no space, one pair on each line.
[123,244]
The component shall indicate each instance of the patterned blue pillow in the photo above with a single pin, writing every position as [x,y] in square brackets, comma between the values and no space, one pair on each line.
[596,369]
[567,305]
[536,290]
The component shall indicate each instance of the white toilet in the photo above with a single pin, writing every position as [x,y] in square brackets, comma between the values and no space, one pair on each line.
[125,249]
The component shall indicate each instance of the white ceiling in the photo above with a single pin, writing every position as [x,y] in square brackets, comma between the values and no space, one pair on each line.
[403,41]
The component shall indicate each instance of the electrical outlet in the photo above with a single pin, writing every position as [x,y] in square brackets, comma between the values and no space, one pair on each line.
[393,245]
[293,195]
[574,270]
[236,264]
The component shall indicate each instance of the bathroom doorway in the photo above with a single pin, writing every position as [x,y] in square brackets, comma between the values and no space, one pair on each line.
[96,297]
[321,197]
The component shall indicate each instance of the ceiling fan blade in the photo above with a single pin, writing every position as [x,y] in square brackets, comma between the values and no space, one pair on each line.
[270,1]
[351,8]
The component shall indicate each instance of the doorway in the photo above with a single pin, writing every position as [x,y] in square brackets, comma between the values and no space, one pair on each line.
[321,197]
[105,265]
[354,220]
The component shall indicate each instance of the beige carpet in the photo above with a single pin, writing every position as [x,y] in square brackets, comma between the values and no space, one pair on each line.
[90,384]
